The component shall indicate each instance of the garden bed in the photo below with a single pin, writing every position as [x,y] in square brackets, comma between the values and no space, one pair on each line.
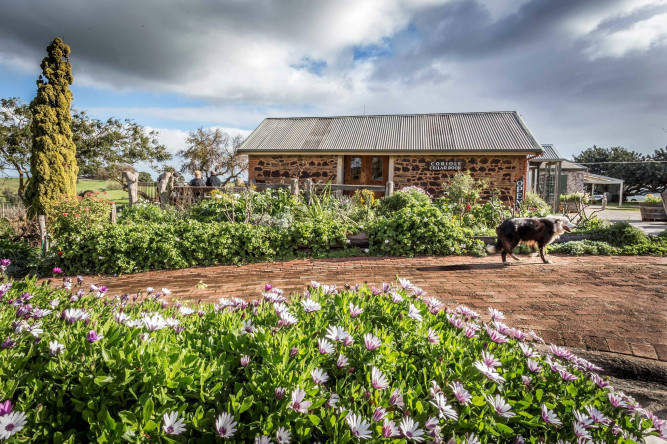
[329,365]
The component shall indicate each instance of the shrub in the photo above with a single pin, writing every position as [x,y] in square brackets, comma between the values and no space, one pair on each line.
[534,200]
[118,371]
[579,248]
[404,198]
[142,246]
[574,197]
[245,207]
[650,198]
[75,214]
[621,234]
[318,235]
[6,229]
[654,246]
[592,225]
[25,258]
[420,230]
[147,212]
[463,190]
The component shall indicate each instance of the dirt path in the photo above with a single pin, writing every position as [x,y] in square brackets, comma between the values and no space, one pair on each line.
[615,304]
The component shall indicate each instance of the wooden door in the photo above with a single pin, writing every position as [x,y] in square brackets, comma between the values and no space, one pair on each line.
[366,170]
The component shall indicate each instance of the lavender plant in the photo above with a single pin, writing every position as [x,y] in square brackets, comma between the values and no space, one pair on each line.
[330,365]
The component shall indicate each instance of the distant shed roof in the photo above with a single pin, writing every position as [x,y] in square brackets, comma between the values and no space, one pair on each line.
[550,154]
[502,131]
[567,165]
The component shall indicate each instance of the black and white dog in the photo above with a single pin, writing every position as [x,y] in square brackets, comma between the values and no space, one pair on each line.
[536,232]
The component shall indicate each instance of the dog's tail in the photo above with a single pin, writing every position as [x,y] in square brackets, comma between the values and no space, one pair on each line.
[492,249]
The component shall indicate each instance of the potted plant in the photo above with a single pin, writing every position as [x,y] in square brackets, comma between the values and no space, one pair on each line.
[652,208]
[573,203]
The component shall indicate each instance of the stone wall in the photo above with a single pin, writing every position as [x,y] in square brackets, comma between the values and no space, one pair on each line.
[575,182]
[501,171]
[281,168]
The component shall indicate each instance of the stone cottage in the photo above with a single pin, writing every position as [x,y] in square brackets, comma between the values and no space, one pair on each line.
[423,150]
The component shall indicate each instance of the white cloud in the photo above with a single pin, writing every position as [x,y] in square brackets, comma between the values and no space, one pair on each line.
[587,20]
[641,36]
[243,52]
[175,139]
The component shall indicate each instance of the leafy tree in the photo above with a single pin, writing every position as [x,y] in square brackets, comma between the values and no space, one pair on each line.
[53,164]
[104,144]
[214,149]
[145,177]
[101,146]
[639,176]
[15,139]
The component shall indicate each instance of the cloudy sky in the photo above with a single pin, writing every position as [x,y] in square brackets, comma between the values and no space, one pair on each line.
[580,72]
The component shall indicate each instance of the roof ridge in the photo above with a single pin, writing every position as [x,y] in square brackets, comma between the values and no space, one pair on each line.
[391,115]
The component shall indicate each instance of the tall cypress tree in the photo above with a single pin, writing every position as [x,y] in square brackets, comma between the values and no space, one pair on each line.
[53,163]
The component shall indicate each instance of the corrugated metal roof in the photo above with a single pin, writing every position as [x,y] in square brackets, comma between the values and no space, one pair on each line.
[502,131]
[567,165]
[600,179]
[550,154]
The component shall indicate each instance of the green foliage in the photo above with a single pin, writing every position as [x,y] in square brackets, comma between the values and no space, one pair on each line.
[6,229]
[574,197]
[403,198]
[651,199]
[214,149]
[155,245]
[421,230]
[145,177]
[534,200]
[463,190]
[481,218]
[107,144]
[580,248]
[620,238]
[244,207]
[77,214]
[147,212]
[621,234]
[119,387]
[591,225]
[24,257]
[53,163]
[15,139]
[639,176]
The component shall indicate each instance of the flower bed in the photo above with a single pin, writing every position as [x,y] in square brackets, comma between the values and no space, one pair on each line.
[331,365]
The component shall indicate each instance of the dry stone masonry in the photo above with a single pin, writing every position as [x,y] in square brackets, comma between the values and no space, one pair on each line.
[281,168]
[501,171]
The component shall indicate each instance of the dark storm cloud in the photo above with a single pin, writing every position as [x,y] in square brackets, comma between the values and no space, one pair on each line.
[548,59]
[534,61]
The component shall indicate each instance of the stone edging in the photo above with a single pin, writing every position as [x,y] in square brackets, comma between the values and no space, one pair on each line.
[623,366]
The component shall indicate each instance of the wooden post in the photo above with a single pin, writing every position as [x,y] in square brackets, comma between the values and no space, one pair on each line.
[308,190]
[113,212]
[389,188]
[294,186]
[41,220]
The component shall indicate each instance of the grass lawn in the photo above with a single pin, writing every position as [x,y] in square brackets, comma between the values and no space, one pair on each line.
[104,186]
